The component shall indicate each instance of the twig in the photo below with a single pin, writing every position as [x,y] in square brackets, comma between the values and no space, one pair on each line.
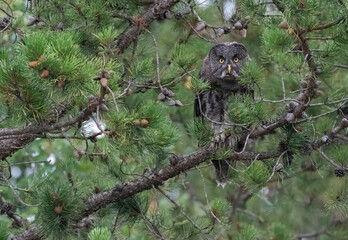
[341,66]
[245,143]
[18,189]
[284,94]
[9,15]
[97,123]
[199,18]
[199,35]
[332,162]
[179,78]
[328,25]
[15,192]
[8,209]
[275,166]
[113,98]
[329,103]
[115,223]
[315,117]
[339,136]
[253,160]
[205,166]
[14,164]
[221,11]
[310,235]
[319,38]
[206,197]
[261,220]
[154,229]
[279,101]
[157,59]
[179,208]
[125,91]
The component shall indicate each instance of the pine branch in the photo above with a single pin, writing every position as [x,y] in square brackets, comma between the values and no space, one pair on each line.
[146,182]
[8,209]
[9,146]
[259,218]
[33,233]
[305,96]
[157,178]
[18,138]
[124,40]
[327,25]
[341,66]
[140,23]
[5,23]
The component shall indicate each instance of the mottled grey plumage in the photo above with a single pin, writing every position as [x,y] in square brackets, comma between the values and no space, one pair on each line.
[212,104]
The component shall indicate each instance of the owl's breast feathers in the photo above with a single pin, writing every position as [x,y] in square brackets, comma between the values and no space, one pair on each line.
[211,105]
[214,100]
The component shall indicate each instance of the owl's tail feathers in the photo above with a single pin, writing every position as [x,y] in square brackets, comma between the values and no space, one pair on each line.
[221,171]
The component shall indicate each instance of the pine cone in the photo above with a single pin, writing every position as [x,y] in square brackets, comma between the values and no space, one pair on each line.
[339,172]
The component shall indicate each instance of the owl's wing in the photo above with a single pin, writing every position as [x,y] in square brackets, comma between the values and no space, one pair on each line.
[198,104]
[197,108]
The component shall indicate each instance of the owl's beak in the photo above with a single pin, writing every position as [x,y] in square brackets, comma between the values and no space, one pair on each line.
[229,68]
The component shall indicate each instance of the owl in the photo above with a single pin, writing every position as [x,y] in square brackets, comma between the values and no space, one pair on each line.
[222,68]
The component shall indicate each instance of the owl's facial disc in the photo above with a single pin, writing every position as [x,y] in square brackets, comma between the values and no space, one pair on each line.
[226,60]
[228,71]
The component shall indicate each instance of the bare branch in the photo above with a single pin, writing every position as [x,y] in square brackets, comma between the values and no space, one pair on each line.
[260,219]
[327,25]
[140,23]
[8,209]
[341,66]
[14,191]
[180,209]
[157,59]
[206,197]
[275,166]
[332,162]
[319,38]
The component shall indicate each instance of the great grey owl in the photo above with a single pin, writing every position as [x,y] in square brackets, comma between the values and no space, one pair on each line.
[222,68]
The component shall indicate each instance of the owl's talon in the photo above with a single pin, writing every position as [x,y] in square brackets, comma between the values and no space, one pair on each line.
[222,184]
[220,140]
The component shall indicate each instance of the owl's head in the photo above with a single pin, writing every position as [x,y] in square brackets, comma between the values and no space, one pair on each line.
[226,60]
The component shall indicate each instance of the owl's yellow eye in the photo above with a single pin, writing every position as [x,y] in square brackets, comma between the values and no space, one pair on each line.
[221,60]
[236,60]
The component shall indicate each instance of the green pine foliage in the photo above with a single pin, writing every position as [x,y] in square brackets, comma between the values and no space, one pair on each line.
[335,200]
[4,233]
[59,207]
[300,15]
[243,110]
[280,231]
[255,176]
[54,55]
[199,86]
[247,232]
[182,56]
[99,234]
[201,131]
[253,74]
[340,154]
[276,40]
[293,139]
[220,208]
